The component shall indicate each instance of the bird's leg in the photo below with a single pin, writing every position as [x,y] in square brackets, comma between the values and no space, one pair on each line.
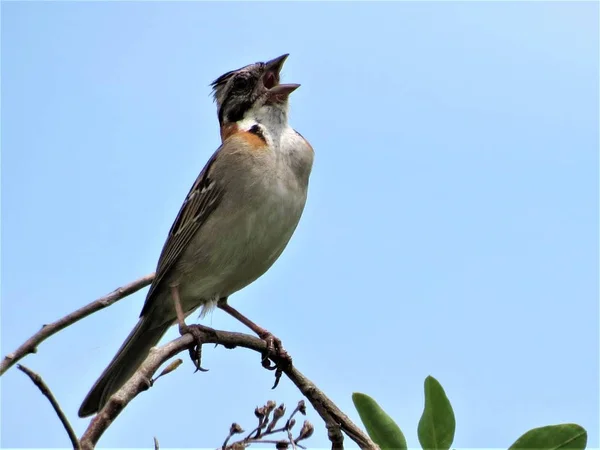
[275,349]
[197,331]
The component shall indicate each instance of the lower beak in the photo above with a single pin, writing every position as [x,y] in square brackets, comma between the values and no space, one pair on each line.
[280,93]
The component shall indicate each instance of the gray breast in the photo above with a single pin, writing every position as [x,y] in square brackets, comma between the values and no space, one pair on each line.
[242,241]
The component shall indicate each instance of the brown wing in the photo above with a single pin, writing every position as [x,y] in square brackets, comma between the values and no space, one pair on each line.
[204,196]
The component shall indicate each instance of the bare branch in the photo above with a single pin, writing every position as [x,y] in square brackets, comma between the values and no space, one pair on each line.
[334,418]
[43,387]
[140,382]
[30,346]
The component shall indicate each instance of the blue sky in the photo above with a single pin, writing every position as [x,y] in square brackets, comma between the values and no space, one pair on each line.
[451,228]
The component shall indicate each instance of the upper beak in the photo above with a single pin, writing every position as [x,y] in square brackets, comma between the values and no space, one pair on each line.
[276,64]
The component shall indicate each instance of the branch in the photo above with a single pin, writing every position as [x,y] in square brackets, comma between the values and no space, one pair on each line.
[37,380]
[335,437]
[30,345]
[142,380]
[334,418]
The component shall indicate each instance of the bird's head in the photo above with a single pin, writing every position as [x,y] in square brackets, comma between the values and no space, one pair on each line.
[249,89]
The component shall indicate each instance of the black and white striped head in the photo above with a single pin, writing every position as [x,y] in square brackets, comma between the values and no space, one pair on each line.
[237,91]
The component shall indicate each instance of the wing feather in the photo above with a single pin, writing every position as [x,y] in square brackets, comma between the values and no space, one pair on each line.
[202,199]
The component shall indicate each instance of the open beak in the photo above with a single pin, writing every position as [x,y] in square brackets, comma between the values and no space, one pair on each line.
[277,92]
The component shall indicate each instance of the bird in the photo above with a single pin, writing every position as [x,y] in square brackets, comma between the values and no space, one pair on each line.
[235,222]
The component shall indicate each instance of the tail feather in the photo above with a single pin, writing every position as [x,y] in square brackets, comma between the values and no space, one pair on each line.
[130,356]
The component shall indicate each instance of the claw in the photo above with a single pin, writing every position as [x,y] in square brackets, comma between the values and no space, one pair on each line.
[266,363]
[196,357]
[275,357]
[198,333]
[278,374]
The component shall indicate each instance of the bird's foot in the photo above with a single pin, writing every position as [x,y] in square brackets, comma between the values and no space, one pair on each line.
[275,357]
[199,333]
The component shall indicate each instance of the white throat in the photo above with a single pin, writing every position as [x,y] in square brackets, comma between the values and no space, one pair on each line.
[272,120]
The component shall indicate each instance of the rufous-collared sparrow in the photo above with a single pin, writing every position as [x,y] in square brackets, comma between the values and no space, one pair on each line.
[234,223]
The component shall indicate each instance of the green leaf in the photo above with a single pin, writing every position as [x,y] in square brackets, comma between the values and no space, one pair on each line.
[553,437]
[437,424]
[381,428]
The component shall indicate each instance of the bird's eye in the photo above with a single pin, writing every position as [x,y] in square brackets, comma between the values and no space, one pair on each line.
[241,83]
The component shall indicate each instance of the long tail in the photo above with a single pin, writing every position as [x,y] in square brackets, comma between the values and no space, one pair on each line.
[130,356]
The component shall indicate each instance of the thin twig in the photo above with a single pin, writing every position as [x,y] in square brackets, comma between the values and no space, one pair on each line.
[267,437]
[159,355]
[291,438]
[30,345]
[43,387]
